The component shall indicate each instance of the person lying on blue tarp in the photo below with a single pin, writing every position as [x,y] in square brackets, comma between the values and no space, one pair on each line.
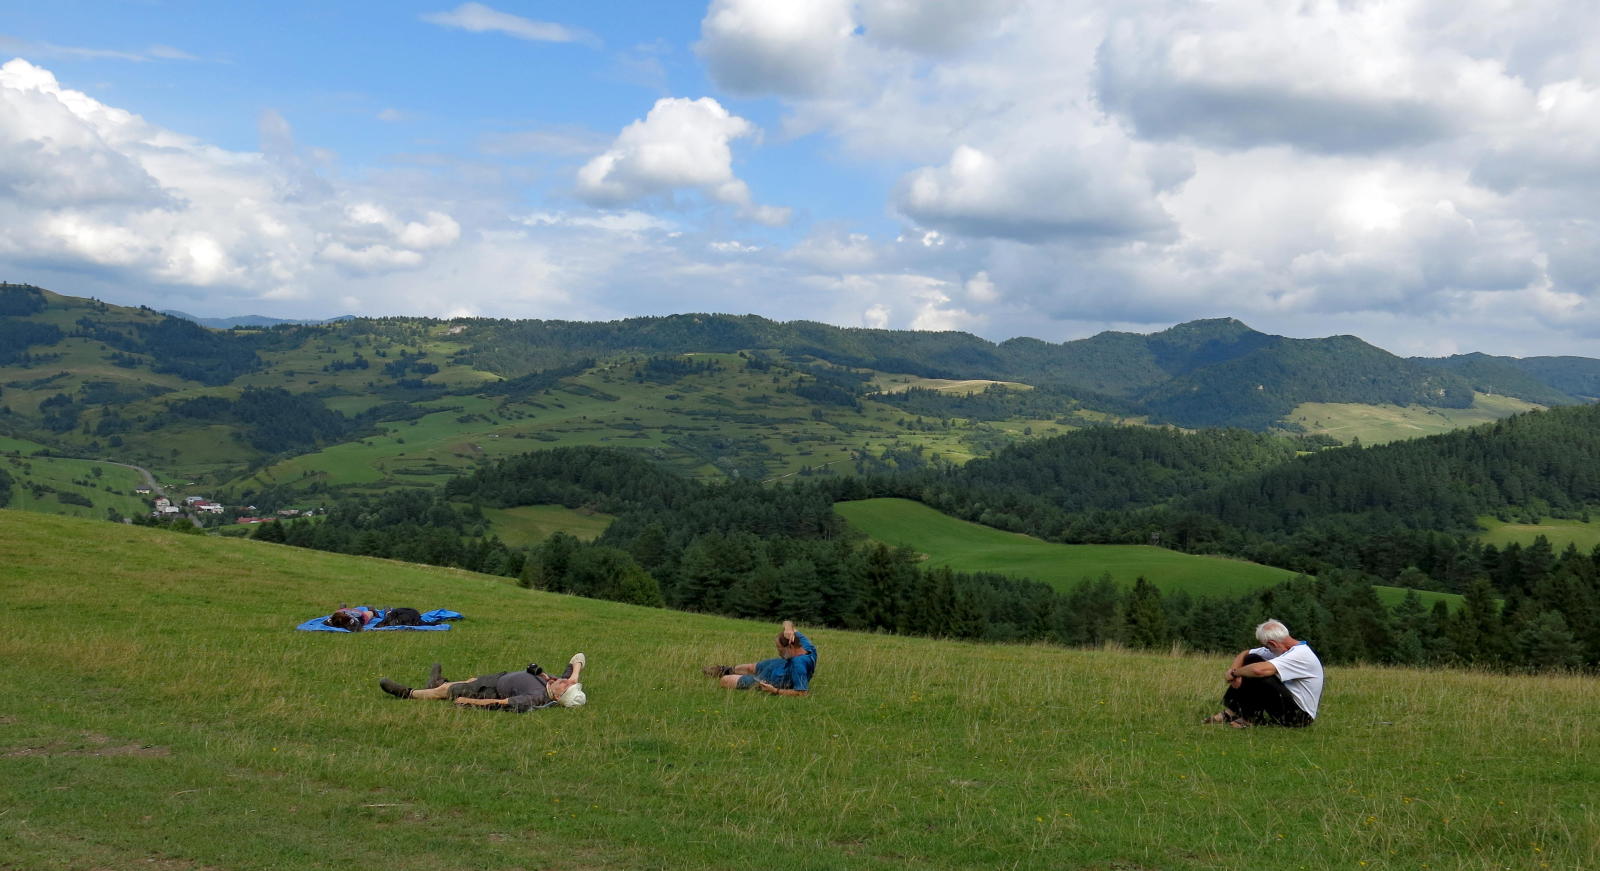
[515,691]
[361,618]
[787,674]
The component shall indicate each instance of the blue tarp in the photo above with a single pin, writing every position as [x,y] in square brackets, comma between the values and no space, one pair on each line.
[320,624]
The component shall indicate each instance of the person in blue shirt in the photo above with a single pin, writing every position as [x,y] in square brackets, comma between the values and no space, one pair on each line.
[787,674]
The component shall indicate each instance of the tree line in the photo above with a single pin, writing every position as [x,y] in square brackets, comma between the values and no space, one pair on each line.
[747,550]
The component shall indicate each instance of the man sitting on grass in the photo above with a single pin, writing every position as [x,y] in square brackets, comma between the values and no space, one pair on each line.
[1277,684]
[515,691]
[787,674]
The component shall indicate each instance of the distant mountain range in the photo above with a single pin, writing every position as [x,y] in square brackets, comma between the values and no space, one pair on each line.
[247,320]
[708,394]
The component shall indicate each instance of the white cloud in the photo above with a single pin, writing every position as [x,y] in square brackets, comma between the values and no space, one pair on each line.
[478,18]
[791,48]
[627,221]
[92,187]
[38,50]
[933,26]
[1160,160]
[372,258]
[1046,194]
[1397,170]
[680,145]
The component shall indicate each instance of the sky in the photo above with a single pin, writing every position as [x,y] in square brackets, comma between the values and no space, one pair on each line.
[1424,174]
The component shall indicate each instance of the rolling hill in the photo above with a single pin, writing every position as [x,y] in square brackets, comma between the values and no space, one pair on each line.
[173,719]
[402,402]
[971,547]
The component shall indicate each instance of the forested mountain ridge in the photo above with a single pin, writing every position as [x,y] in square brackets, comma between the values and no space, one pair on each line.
[407,401]
[1545,380]
[1399,514]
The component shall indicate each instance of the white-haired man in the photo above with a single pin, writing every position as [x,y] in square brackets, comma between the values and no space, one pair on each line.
[515,691]
[1276,684]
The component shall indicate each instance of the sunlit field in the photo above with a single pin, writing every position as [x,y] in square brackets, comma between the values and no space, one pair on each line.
[971,547]
[167,716]
[1379,424]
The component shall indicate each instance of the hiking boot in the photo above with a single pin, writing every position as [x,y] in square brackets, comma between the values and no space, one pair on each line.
[436,676]
[398,690]
[717,670]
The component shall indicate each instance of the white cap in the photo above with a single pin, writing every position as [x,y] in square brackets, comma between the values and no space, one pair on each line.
[573,697]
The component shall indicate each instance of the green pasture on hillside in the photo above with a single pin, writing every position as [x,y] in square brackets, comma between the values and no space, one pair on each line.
[530,524]
[1379,424]
[167,716]
[1560,533]
[113,488]
[972,547]
[10,445]
[733,423]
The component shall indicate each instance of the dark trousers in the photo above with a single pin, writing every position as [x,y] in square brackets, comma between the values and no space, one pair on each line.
[403,617]
[1264,700]
[486,686]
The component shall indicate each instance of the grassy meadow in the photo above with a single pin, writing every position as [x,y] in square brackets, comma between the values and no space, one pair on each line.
[971,547]
[167,716]
[105,485]
[711,425]
[1560,533]
[1380,424]
[528,525]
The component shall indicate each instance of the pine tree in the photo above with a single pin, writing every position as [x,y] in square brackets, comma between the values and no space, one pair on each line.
[1546,644]
[1146,619]
[800,592]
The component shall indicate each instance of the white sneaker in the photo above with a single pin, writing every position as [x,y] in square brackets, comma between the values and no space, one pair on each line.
[579,660]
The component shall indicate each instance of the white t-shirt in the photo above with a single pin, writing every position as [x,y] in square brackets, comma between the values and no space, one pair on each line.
[1301,673]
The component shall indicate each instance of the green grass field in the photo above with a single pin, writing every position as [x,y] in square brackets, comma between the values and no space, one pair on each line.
[165,715]
[111,488]
[971,547]
[10,445]
[530,524]
[1560,533]
[1379,424]
[713,426]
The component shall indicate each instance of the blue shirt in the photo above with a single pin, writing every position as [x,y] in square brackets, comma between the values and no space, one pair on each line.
[802,667]
[790,674]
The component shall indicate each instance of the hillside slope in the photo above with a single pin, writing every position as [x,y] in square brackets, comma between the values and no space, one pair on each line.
[172,717]
[95,380]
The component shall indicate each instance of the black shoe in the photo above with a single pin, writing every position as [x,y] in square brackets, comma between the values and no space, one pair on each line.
[717,670]
[397,690]
[436,676]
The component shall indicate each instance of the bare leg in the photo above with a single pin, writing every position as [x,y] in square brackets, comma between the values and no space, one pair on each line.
[747,668]
[442,691]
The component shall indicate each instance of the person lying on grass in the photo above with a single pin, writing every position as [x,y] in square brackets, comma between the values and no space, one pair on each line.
[1277,684]
[787,674]
[358,618]
[515,691]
